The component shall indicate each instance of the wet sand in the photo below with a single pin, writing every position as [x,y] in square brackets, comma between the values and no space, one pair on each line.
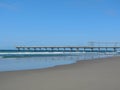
[100,74]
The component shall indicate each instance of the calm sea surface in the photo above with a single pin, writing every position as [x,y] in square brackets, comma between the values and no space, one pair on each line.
[27,61]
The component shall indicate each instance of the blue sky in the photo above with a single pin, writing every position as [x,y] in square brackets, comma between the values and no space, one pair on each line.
[58,22]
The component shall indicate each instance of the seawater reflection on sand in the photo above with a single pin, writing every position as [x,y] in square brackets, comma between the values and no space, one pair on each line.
[29,63]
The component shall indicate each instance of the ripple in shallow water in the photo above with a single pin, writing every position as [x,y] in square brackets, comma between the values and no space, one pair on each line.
[27,63]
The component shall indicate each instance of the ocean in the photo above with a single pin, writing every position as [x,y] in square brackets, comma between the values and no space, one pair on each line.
[12,60]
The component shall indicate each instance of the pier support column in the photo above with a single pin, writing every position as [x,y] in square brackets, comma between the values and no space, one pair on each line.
[77,50]
[106,49]
[115,50]
[39,49]
[46,49]
[23,48]
[71,49]
[28,49]
[34,49]
[84,49]
[58,49]
[92,49]
[98,49]
[52,49]
[18,49]
[64,49]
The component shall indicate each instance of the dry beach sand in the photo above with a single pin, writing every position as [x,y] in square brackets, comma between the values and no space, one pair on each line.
[100,74]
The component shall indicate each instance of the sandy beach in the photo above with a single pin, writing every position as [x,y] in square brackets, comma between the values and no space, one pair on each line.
[100,74]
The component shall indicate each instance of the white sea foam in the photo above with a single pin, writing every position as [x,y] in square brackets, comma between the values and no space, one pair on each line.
[36,53]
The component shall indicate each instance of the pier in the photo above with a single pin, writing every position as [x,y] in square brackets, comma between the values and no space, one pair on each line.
[70,48]
[91,47]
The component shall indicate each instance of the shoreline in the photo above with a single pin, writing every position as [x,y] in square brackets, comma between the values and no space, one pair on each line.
[97,74]
[92,59]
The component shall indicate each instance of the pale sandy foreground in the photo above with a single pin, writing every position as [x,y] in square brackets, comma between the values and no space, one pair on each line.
[102,74]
